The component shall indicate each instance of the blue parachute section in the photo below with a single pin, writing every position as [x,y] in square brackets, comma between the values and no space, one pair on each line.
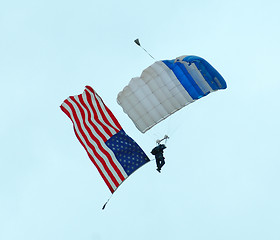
[208,72]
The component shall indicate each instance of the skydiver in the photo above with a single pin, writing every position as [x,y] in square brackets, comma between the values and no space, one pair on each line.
[158,152]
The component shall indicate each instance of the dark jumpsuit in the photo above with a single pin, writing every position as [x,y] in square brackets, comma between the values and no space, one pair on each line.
[158,152]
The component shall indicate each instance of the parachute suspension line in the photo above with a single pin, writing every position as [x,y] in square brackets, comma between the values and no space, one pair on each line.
[138,43]
[174,123]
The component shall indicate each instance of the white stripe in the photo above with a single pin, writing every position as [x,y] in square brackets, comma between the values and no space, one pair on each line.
[89,150]
[100,127]
[93,142]
[104,146]
[112,130]
[107,115]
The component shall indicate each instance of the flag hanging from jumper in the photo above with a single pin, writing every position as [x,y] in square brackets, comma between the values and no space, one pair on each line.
[111,150]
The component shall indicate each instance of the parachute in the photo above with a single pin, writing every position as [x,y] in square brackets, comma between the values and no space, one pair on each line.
[167,86]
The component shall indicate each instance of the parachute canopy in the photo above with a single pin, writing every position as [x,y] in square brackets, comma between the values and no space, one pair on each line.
[165,87]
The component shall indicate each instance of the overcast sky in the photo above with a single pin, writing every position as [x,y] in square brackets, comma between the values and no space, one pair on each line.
[221,178]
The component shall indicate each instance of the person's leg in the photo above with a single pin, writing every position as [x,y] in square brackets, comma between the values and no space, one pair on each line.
[158,164]
[162,162]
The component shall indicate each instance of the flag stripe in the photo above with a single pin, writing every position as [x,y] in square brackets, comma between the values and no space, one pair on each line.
[105,116]
[97,117]
[103,174]
[101,116]
[89,117]
[89,146]
[95,144]
[95,134]
[108,116]
[96,141]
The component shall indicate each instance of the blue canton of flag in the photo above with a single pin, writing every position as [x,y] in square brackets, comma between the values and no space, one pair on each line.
[127,152]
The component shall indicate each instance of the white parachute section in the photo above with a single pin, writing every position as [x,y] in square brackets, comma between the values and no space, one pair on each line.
[153,96]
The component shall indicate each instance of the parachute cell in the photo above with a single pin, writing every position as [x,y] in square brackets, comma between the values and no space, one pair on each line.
[165,87]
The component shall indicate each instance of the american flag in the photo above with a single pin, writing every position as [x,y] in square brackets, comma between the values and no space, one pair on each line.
[111,150]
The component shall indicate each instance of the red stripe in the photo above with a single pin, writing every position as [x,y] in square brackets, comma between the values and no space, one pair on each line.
[91,158]
[97,156]
[116,122]
[96,165]
[96,118]
[105,119]
[111,114]
[94,125]
[82,103]
[100,102]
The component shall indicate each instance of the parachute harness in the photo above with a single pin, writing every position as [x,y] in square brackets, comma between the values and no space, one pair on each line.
[160,140]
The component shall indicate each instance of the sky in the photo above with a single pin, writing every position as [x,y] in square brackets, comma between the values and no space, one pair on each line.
[221,178]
